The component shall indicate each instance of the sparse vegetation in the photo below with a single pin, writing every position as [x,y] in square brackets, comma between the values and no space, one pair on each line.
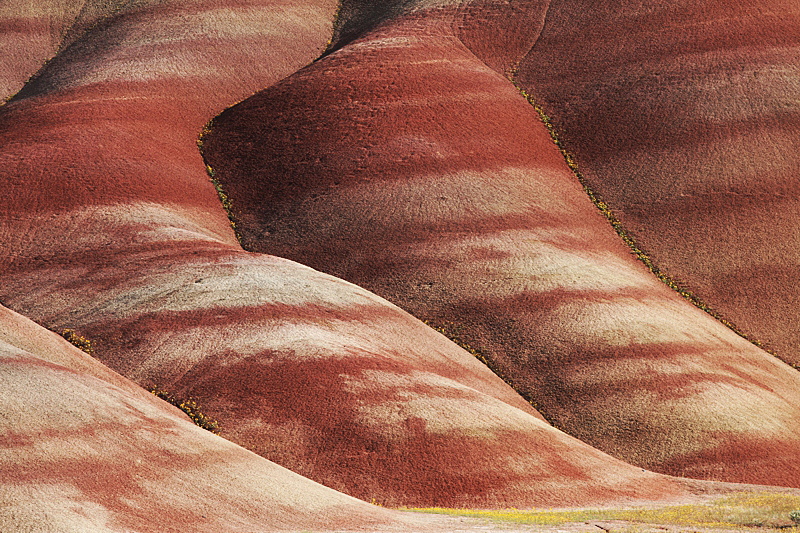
[794,516]
[334,27]
[227,205]
[454,332]
[203,134]
[763,510]
[617,225]
[78,341]
[188,406]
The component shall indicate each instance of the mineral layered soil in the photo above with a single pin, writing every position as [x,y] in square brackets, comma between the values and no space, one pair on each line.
[396,155]
[406,162]
[685,116]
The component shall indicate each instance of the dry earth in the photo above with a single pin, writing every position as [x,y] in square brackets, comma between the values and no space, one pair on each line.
[407,163]
[120,236]
[404,161]
[685,117]
[83,449]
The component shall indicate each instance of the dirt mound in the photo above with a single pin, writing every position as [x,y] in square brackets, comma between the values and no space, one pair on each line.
[405,164]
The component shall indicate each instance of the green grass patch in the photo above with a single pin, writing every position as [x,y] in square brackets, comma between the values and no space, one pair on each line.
[763,510]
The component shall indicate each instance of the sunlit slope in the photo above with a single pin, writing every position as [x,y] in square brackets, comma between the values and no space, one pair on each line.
[30,33]
[685,117]
[403,163]
[113,229]
[334,383]
[84,449]
[34,31]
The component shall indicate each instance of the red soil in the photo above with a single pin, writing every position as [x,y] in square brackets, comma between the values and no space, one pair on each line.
[32,32]
[25,45]
[113,229]
[685,120]
[334,383]
[403,163]
[83,449]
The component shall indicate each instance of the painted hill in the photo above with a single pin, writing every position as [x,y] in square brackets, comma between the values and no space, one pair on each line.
[407,164]
[685,119]
[30,34]
[402,160]
[115,231]
[84,449]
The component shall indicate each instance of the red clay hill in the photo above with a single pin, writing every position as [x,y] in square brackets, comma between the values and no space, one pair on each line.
[112,229]
[406,162]
[684,116]
[400,160]
[84,449]
[31,33]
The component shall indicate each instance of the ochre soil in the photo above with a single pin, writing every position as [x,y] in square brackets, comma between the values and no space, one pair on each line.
[406,163]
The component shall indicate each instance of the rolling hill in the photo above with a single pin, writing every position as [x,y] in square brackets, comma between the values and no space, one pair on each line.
[347,189]
[405,163]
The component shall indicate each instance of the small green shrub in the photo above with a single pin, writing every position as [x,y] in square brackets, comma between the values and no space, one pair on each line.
[189,406]
[795,516]
[334,27]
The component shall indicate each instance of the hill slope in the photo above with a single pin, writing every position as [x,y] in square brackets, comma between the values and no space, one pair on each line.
[685,118]
[113,229]
[84,449]
[407,164]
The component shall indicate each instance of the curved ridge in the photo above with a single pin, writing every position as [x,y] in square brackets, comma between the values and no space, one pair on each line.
[17,73]
[115,232]
[84,449]
[629,241]
[691,140]
[488,229]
